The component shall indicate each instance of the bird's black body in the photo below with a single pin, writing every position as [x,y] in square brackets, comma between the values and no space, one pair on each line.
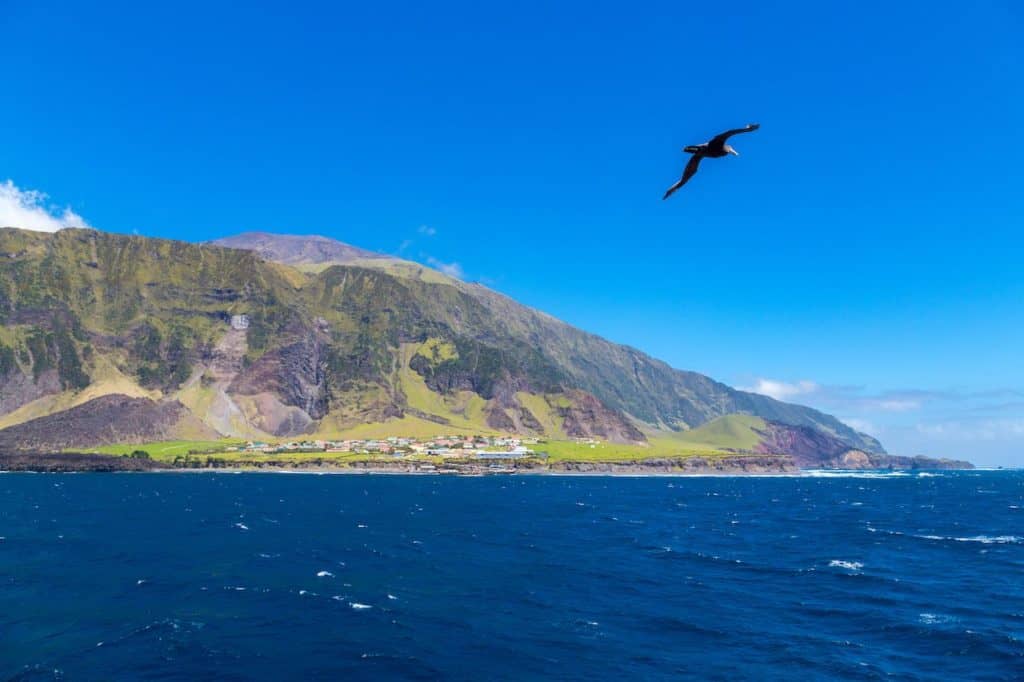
[714,148]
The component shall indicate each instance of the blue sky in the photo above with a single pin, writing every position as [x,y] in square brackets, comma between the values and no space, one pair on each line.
[862,254]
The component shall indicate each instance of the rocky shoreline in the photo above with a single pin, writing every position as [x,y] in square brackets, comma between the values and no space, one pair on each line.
[73,462]
[736,465]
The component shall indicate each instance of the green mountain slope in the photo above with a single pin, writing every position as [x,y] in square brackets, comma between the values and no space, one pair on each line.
[336,342]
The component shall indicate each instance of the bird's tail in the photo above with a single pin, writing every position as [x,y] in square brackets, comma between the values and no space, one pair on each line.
[692,149]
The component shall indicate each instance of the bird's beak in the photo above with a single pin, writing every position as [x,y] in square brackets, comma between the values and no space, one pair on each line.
[733,152]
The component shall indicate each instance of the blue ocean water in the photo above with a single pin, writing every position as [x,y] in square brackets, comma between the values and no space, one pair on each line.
[273,576]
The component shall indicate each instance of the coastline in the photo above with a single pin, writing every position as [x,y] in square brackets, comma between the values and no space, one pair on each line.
[738,465]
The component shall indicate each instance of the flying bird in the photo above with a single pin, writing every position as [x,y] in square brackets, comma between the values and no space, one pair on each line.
[714,148]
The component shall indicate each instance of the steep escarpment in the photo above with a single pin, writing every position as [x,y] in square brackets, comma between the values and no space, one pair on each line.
[254,348]
[811,449]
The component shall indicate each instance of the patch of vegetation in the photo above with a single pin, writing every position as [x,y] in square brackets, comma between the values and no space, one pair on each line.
[572,451]
[269,320]
[39,350]
[56,349]
[733,432]
[357,358]
[162,363]
[544,410]
[437,350]
[7,360]
[463,411]
[480,367]
[69,365]
[167,450]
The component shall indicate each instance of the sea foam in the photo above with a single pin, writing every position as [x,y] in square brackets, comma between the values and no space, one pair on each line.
[983,539]
[850,565]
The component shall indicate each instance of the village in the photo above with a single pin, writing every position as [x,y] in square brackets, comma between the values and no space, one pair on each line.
[454,446]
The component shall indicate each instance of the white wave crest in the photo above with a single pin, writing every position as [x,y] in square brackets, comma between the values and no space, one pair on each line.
[849,565]
[840,473]
[992,539]
[983,539]
[935,618]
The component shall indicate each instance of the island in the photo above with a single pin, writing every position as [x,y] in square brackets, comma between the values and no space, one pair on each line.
[454,454]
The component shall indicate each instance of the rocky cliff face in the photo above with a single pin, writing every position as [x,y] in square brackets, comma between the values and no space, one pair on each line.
[811,449]
[587,417]
[324,349]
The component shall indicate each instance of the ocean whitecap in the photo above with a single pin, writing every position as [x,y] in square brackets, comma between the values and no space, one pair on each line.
[992,539]
[849,565]
[982,539]
[935,618]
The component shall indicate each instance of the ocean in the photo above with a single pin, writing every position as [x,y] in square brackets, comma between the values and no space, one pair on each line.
[184,576]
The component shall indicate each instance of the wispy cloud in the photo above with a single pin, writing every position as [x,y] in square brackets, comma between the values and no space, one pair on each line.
[857,424]
[892,405]
[967,429]
[842,398]
[781,390]
[451,269]
[28,209]
[986,426]
[424,232]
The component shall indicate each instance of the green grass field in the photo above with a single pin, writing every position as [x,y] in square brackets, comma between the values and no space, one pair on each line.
[663,448]
[732,432]
[167,450]
[725,436]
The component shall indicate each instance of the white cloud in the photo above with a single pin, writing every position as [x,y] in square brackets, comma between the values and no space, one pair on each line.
[780,390]
[427,230]
[862,425]
[28,209]
[982,429]
[848,398]
[897,405]
[984,426]
[450,269]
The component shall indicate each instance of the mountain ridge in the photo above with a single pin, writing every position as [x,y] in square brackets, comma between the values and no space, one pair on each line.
[290,249]
[741,400]
[337,340]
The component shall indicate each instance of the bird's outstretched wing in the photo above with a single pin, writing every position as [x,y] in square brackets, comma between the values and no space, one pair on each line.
[688,172]
[720,139]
